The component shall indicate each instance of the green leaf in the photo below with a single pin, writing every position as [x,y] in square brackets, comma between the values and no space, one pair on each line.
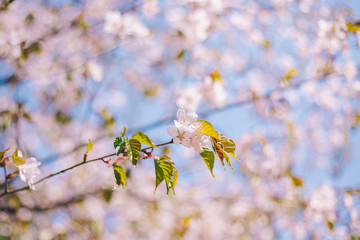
[165,170]
[207,129]
[180,54]
[17,160]
[289,75]
[355,237]
[143,138]
[209,158]
[89,146]
[133,150]
[353,27]
[62,117]
[33,48]
[120,175]
[107,194]
[119,145]
[174,178]
[215,75]
[330,225]
[228,144]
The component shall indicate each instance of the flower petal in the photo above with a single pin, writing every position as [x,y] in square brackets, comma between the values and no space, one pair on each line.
[181,116]
[172,130]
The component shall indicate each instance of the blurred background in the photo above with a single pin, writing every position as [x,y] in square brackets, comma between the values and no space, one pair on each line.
[280,77]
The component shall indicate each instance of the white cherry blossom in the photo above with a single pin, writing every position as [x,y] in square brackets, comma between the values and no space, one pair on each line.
[184,131]
[30,171]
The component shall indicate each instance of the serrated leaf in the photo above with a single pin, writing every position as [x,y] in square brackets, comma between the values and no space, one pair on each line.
[208,156]
[143,138]
[133,150]
[119,145]
[120,175]
[165,170]
[89,146]
[174,178]
[219,149]
[159,174]
[17,160]
[207,129]
[228,144]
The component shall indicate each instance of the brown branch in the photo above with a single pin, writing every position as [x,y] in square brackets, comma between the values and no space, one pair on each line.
[6,192]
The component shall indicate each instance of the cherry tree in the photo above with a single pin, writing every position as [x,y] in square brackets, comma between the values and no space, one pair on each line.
[184,119]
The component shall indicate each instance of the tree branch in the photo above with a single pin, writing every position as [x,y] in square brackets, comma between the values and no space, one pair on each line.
[6,192]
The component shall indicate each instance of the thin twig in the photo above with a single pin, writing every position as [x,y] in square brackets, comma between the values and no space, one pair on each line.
[6,180]
[159,145]
[67,169]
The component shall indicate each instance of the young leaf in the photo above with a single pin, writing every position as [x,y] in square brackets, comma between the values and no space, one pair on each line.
[123,132]
[219,149]
[174,178]
[17,160]
[298,182]
[89,146]
[107,194]
[330,225]
[133,150]
[143,138]
[228,144]
[165,170]
[159,173]
[120,175]
[2,153]
[208,157]
[207,129]
[353,27]
[215,75]
[289,75]
[119,145]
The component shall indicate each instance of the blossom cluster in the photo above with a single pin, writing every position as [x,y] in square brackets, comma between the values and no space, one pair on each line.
[184,131]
